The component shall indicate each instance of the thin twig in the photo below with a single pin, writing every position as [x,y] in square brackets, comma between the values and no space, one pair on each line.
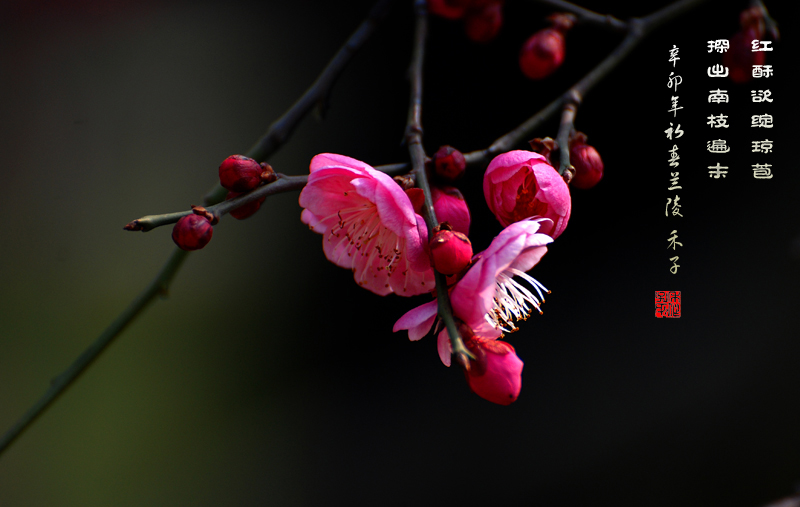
[668,13]
[59,384]
[571,103]
[282,184]
[637,29]
[513,138]
[316,94]
[278,133]
[417,153]
[587,16]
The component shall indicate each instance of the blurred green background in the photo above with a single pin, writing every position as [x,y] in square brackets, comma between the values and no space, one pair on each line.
[268,378]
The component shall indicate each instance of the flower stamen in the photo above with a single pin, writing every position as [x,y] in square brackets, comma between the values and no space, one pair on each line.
[513,301]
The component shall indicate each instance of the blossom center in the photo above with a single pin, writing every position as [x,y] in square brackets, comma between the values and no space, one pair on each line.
[359,232]
[527,205]
[513,301]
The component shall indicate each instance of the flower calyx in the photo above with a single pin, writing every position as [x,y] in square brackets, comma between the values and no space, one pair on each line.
[201,211]
[406,181]
[268,174]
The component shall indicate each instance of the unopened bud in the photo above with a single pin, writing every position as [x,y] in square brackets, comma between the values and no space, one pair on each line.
[496,372]
[449,163]
[451,251]
[240,173]
[192,232]
[542,53]
[588,165]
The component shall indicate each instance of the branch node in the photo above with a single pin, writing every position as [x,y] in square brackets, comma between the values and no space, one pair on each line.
[211,217]
[572,98]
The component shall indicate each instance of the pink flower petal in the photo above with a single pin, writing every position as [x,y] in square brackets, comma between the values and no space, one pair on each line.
[325,160]
[443,346]
[368,225]
[418,321]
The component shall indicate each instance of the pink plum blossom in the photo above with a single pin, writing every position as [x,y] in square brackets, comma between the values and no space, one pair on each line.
[488,299]
[521,184]
[368,225]
[496,372]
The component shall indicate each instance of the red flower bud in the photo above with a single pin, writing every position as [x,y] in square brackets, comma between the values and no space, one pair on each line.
[542,53]
[449,163]
[451,251]
[588,165]
[246,210]
[496,372]
[240,173]
[192,232]
[484,24]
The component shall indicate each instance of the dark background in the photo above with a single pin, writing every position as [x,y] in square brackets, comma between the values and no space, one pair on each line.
[269,378]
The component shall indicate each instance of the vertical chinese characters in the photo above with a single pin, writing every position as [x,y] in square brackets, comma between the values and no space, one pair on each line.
[762,96]
[673,206]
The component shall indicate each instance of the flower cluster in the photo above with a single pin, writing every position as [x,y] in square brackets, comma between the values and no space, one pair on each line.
[237,174]
[372,225]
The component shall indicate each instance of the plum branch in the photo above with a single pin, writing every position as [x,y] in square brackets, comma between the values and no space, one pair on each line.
[277,134]
[637,29]
[587,16]
[417,153]
[316,95]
